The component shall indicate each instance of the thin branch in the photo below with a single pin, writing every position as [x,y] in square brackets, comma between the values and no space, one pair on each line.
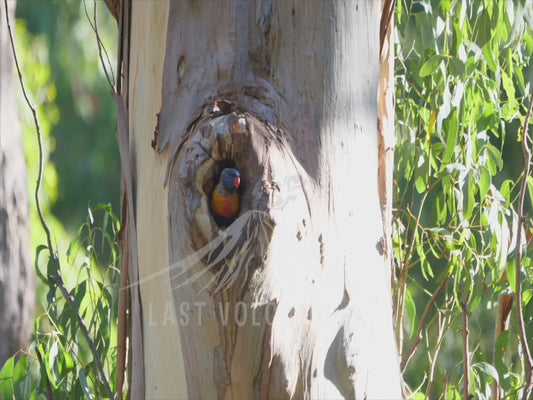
[520,228]
[425,315]
[445,322]
[56,279]
[503,314]
[466,351]
[94,26]
[123,306]
[124,354]
[402,284]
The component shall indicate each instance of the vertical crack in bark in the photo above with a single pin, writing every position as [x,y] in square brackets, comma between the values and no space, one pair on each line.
[268,354]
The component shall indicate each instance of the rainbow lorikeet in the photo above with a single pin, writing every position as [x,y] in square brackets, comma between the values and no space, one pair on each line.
[225,203]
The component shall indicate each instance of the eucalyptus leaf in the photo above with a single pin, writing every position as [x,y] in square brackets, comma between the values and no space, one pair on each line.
[484,182]
[411,312]
[483,28]
[6,378]
[431,66]
[487,369]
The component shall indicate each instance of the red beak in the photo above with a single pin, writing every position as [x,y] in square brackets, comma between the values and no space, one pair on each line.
[236,182]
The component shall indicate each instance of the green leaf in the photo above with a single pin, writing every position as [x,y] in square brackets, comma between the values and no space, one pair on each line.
[50,358]
[511,107]
[66,362]
[500,32]
[530,189]
[418,396]
[494,159]
[458,93]
[6,378]
[519,77]
[427,271]
[484,183]
[487,369]
[469,199]
[527,296]
[453,393]
[421,177]
[490,57]
[410,306]
[441,208]
[483,25]
[430,66]
[499,360]
[528,41]
[21,381]
[456,66]
[505,190]
[446,6]
[84,385]
[80,291]
[511,273]
[36,264]
[452,129]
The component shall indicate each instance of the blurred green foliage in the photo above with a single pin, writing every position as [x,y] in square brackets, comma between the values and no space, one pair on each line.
[59,54]
[463,75]
[59,363]
[81,161]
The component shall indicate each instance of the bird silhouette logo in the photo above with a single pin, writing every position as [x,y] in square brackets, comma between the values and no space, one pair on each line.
[234,250]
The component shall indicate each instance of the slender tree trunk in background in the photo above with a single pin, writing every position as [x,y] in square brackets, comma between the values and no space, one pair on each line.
[17,296]
[293,299]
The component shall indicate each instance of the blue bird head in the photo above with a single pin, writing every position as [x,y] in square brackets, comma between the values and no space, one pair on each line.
[230,178]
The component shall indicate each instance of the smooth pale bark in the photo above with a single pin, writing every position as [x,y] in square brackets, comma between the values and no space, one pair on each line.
[293,300]
[161,367]
[17,297]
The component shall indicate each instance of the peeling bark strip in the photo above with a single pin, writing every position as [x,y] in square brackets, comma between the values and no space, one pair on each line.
[386,132]
[291,300]
[129,252]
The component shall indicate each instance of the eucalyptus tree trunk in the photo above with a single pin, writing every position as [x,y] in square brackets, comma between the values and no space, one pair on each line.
[17,296]
[293,299]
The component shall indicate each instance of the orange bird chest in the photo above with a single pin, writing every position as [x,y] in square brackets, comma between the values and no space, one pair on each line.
[225,206]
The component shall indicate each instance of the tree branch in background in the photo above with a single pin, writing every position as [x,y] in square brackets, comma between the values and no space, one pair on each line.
[466,351]
[445,321]
[94,26]
[421,325]
[519,312]
[505,305]
[57,278]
